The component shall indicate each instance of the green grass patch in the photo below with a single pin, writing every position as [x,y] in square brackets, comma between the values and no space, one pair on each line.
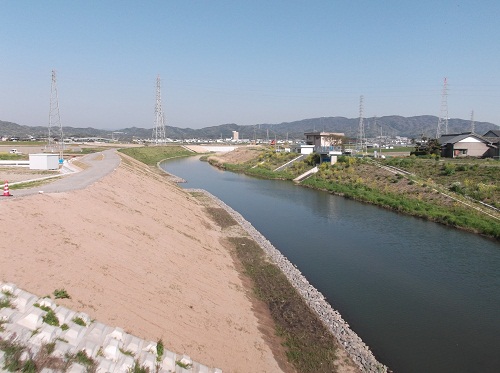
[151,155]
[5,303]
[12,157]
[32,184]
[79,321]
[160,349]
[51,318]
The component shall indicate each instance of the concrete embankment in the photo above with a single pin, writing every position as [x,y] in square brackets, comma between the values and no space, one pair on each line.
[355,347]
[28,323]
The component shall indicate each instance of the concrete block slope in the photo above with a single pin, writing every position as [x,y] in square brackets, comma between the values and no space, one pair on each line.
[85,343]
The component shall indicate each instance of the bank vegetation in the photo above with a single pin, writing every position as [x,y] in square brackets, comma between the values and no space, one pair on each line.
[462,193]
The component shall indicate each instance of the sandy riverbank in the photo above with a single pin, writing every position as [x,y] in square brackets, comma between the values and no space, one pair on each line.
[137,252]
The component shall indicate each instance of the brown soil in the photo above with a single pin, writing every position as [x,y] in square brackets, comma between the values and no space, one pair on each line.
[239,155]
[137,252]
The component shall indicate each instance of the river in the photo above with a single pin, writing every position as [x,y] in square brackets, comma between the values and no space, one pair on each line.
[424,297]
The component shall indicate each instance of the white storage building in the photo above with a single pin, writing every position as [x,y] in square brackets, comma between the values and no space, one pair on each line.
[44,161]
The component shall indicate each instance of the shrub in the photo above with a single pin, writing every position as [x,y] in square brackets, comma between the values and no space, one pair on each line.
[449,169]
[457,187]
[159,349]
[61,294]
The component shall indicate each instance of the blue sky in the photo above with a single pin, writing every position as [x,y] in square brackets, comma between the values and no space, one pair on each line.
[246,62]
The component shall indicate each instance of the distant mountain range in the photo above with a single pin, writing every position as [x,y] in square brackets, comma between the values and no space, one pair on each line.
[412,127]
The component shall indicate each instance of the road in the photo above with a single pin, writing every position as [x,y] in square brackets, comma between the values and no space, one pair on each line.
[99,165]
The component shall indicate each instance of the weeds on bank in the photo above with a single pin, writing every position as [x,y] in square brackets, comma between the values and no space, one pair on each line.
[359,179]
[79,321]
[160,349]
[138,368]
[32,184]
[5,303]
[183,365]
[126,352]
[221,217]
[309,346]
[456,216]
[6,300]
[61,294]
[51,318]
[18,357]
[151,155]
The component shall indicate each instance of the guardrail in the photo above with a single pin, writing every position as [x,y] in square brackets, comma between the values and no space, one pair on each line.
[327,149]
[15,163]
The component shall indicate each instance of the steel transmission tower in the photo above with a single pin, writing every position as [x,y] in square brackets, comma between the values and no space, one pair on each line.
[55,118]
[159,132]
[443,117]
[361,143]
[472,124]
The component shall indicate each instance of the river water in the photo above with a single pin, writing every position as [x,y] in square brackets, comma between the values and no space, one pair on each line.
[424,297]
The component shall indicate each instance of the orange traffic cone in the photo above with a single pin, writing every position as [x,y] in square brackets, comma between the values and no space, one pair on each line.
[6,192]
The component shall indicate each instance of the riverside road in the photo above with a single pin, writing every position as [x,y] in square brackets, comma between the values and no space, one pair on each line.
[99,165]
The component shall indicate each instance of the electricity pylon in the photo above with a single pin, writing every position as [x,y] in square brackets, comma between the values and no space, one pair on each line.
[472,124]
[159,132]
[361,143]
[55,118]
[443,117]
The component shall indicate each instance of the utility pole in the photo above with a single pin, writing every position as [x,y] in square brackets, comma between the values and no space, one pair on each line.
[443,117]
[159,133]
[55,119]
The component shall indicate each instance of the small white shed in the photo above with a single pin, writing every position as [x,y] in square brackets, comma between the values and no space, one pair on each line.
[306,149]
[44,161]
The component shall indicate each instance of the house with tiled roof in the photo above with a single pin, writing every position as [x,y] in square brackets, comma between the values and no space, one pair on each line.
[467,144]
[494,137]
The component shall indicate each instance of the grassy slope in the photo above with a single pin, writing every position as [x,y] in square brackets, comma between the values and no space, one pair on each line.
[417,195]
[151,155]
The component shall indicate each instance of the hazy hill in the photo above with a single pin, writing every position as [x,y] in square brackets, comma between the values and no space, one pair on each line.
[412,127]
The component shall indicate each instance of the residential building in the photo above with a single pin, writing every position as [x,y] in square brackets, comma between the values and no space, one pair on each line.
[466,144]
